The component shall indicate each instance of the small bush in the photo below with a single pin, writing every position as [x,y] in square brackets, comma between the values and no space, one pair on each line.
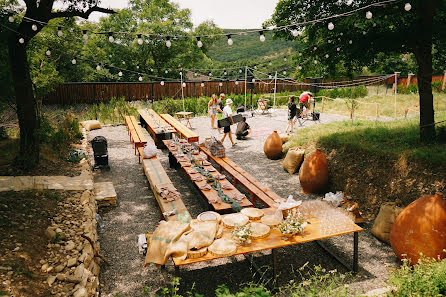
[411,89]
[356,92]
[45,130]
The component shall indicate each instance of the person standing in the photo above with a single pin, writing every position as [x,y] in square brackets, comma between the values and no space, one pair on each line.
[304,101]
[220,110]
[227,113]
[292,112]
[212,109]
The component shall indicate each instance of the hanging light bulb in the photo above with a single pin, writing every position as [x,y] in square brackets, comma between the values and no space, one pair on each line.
[253,80]
[407,7]
[255,66]
[85,36]
[59,31]
[338,49]
[199,43]
[350,41]
[140,78]
[166,71]
[120,73]
[299,67]
[230,42]
[262,37]
[140,41]
[240,71]
[110,37]
[11,19]
[329,40]
[270,63]
[74,61]
[210,73]
[315,62]
[295,32]
[349,2]
[300,54]
[284,72]
[34,27]
[123,62]
[137,66]
[374,24]
[162,83]
[326,56]
[270,76]
[98,67]
[220,84]
[21,40]
[195,74]
[330,26]
[225,73]
[368,15]
[342,33]
[285,59]
[364,32]
[48,52]
[236,82]
[314,48]
[181,72]
[151,69]
[168,42]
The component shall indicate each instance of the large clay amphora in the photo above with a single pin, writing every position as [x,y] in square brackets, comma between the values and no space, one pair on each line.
[420,228]
[313,173]
[273,146]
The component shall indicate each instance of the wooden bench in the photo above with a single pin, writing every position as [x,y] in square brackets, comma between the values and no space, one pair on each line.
[157,178]
[158,128]
[128,125]
[185,132]
[210,195]
[256,189]
[136,134]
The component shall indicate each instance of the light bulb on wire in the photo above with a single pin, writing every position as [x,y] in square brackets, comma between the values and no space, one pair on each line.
[315,62]
[299,67]
[240,71]
[34,27]
[21,40]
[295,32]
[407,7]
[59,31]
[202,84]
[166,71]
[120,73]
[230,42]
[199,43]
[73,61]
[140,78]
[262,37]
[225,72]
[162,83]
[210,73]
[349,2]
[168,42]
[85,36]
[284,72]
[48,52]
[11,19]
[98,67]
[330,26]
[110,37]
[236,82]
[350,41]
[368,15]
[140,41]
[220,84]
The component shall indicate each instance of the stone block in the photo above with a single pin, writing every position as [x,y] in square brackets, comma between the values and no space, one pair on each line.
[105,194]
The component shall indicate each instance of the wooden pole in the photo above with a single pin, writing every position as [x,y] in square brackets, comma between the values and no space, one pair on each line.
[443,84]
[377,110]
[323,101]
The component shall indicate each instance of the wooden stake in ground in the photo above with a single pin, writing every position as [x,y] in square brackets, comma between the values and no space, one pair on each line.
[95,250]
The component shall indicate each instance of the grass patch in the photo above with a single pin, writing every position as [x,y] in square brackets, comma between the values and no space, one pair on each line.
[393,139]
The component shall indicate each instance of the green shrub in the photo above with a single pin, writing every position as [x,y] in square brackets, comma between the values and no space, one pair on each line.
[436,86]
[411,89]
[356,92]
[45,130]
[428,278]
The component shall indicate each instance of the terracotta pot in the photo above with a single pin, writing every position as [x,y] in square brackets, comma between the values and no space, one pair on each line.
[420,228]
[313,173]
[273,146]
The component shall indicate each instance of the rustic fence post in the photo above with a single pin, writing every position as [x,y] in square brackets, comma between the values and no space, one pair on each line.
[443,84]
[409,79]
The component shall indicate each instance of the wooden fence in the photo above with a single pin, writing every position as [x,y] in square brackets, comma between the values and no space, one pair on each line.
[74,93]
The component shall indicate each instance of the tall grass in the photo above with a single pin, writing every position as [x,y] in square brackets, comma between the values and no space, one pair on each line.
[393,138]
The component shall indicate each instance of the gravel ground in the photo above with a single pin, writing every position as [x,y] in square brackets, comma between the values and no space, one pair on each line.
[137,213]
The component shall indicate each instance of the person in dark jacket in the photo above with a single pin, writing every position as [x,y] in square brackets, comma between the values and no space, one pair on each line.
[292,112]
[242,130]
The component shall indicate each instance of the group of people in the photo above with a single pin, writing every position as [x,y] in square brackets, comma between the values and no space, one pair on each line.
[217,111]
[304,101]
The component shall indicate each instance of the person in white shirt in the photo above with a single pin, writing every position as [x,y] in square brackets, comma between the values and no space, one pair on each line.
[227,113]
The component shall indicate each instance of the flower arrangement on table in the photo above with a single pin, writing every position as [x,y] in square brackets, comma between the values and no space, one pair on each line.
[241,234]
[293,224]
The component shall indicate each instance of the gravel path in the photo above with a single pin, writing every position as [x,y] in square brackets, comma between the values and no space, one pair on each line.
[137,213]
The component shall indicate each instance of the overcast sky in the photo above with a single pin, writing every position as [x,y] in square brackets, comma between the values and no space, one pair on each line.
[227,14]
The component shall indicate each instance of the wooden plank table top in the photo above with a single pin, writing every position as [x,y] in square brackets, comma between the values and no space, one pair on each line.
[185,132]
[274,240]
[185,115]
[210,195]
[155,123]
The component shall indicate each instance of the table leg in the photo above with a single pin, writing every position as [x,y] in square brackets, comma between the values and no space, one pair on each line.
[355,252]
[275,268]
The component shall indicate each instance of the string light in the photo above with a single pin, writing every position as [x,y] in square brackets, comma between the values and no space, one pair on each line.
[236,82]
[168,42]
[220,84]
[137,66]
[285,59]
[350,41]
[315,62]
[326,56]
[349,2]
[299,67]
[330,26]
[120,73]
[240,71]
[140,41]
[199,43]
[34,27]
[151,69]
[210,73]
[85,36]
[253,80]
[225,73]
[202,84]
[262,37]
[74,61]
[270,76]
[329,40]
[162,83]
[110,37]
[230,42]
[368,15]
[48,52]
[284,72]
[407,7]
[295,32]
[140,78]
[338,49]
[314,48]
[98,67]
[270,63]
[255,66]
[21,40]
[11,19]
[59,31]
[123,62]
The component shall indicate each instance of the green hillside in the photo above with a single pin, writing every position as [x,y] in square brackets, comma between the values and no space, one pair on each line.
[248,46]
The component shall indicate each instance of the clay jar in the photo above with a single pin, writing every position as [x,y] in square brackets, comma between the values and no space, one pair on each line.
[420,228]
[273,146]
[313,173]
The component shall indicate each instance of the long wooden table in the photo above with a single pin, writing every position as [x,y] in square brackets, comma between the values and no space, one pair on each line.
[155,125]
[185,132]
[210,195]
